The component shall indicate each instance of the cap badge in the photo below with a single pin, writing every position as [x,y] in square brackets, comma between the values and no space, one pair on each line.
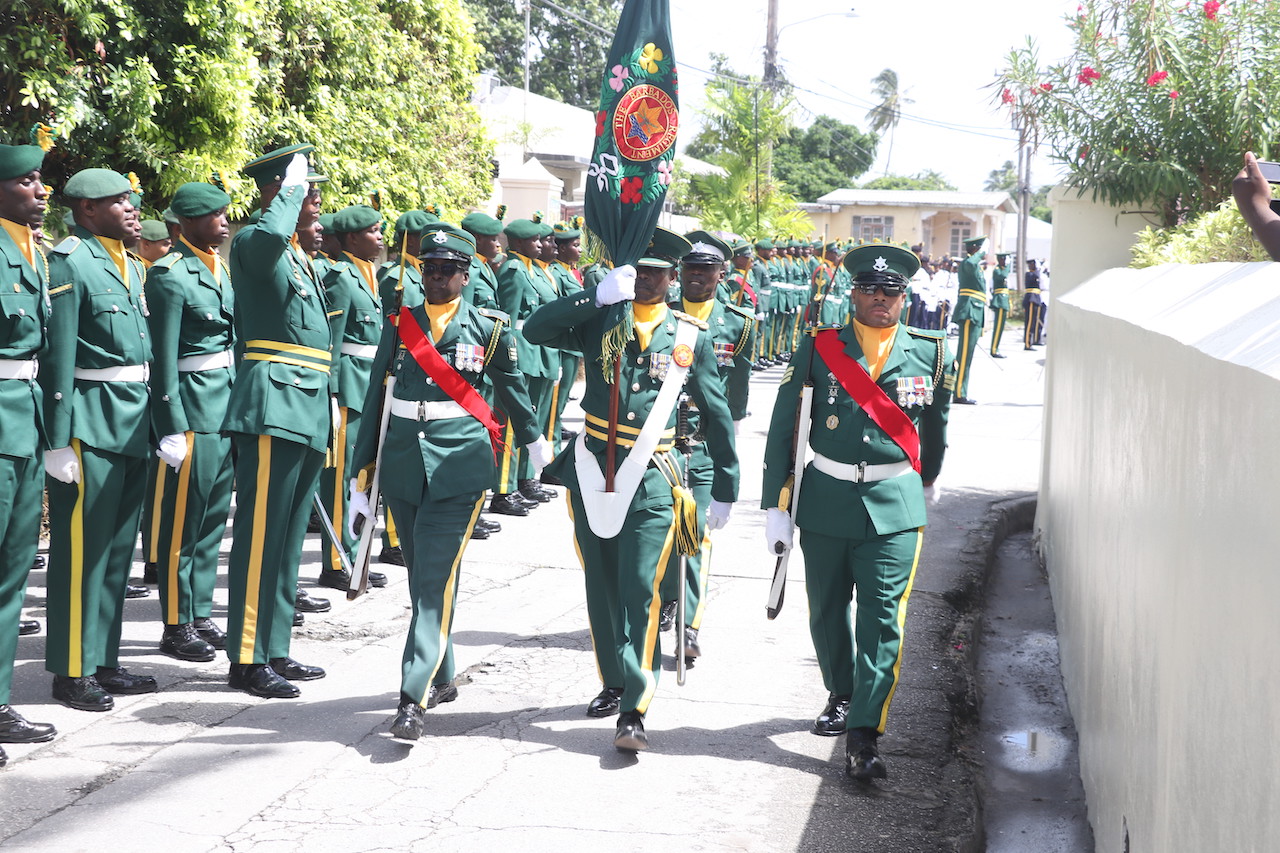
[440,237]
[880,265]
[703,248]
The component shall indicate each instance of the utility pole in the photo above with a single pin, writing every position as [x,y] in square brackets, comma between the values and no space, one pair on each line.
[1024,202]
[528,7]
[771,44]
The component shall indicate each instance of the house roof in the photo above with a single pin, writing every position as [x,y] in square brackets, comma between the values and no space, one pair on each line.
[920,198]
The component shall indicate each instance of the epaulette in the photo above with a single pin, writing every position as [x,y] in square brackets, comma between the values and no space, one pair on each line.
[929,334]
[67,246]
[500,316]
[689,318]
[738,309]
[168,260]
[824,327]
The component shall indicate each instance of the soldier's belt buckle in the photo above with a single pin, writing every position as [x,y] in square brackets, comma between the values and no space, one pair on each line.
[422,410]
[861,476]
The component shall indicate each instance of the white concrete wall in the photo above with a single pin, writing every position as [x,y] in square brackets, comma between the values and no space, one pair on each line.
[1089,237]
[1159,524]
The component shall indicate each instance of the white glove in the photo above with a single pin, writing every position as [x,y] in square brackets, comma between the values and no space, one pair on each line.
[737,427]
[933,494]
[173,449]
[62,465]
[295,174]
[718,514]
[778,531]
[540,453]
[618,286]
[760,316]
[357,508]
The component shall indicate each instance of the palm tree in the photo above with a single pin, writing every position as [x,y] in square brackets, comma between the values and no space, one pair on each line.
[889,111]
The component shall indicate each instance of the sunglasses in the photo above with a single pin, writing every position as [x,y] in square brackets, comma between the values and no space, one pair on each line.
[889,290]
[447,269]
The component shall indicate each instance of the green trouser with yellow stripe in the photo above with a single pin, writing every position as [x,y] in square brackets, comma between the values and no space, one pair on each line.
[970,331]
[997,329]
[335,495]
[622,577]
[21,479]
[434,536]
[275,479]
[93,527]
[560,396]
[697,566]
[188,522]
[861,662]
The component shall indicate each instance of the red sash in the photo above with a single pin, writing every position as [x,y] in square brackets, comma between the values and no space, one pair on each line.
[853,377]
[450,380]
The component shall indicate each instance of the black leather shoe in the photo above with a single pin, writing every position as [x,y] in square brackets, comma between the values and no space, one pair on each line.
[340,579]
[567,434]
[862,759]
[15,728]
[489,526]
[630,735]
[667,616]
[606,703]
[121,682]
[135,590]
[830,722]
[998,355]
[524,501]
[305,602]
[83,693]
[261,680]
[182,642]
[478,532]
[965,401]
[297,619]
[27,627]
[377,580]
[208,631]
[409,722]
[508,505]
[692,651]
[37,563]
[294,671]
[550,480]
[392,555]
[535,491]
[4,759]
[150,573]
[439,693]
[313,523]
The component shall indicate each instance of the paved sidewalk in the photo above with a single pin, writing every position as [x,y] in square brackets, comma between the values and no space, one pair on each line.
[514,763]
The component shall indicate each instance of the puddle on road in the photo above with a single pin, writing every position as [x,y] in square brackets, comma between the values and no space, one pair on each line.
[1032,752]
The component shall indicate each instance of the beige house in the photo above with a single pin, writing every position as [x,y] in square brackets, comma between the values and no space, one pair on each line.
[939,220]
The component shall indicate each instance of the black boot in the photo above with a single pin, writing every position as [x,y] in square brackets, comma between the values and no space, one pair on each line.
[830,722]
[630,734]
[862,759]
[182,642]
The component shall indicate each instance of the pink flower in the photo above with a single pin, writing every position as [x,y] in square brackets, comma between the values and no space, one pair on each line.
[1041,88]
[1173,94]
[665,173]
[1157,78]
[1211,9]
[1006,97]
[620,75]
[1087,75]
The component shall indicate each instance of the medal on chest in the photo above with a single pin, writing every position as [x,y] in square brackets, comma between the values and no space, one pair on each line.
[468,357]
[915,391]
[659,364]
[724,354]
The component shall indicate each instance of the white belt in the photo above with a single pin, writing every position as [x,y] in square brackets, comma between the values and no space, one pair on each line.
[860,473]
[519,325]
[208,361]
[421,410]
[125,373]
[11,368]
[360,350]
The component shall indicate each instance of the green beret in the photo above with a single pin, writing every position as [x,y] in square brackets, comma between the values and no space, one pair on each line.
[414,221]
[665,249]
[482,224]
[170,216]
[975,242]
[741,249]
[326,222]
[442,240]
[357,217]
[706,248]
[522,229]
[764,243]
[96,183]
[19,160]
[545,229]
[135,199]
[198,199]
[270,166]
[154,230]
[563,231]
[881,262]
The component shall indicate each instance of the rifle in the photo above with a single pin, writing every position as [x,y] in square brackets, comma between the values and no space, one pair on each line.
[683,445]
[799,448]
[360,569]
[335,540]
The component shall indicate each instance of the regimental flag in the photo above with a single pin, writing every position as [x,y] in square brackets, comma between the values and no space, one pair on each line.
[631,163]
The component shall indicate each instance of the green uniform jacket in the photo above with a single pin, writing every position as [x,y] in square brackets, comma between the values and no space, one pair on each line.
[842,431]
[1000,289]
[482,286]
[972,301]
[355,318]
[522,289]
[452,456]
[24,312]
[594,274]
[95,322]
[575,323]
[411,293]
[733,336]
[279,300]
[566,284]
[191,314]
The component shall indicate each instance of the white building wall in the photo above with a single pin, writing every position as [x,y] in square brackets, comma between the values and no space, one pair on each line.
[1159,528]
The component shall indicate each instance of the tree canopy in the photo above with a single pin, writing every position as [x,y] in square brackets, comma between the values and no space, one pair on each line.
[1005,180]
[822,157]
[177,89]
[925,180]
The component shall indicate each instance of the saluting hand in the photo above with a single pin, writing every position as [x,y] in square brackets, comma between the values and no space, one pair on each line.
[618,286]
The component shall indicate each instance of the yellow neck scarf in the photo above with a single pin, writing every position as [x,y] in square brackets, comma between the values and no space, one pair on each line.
[21,235]
[116,250]
[701,310]
[210,259]
[441,316]
[647,319]
[876,345]
[366,271]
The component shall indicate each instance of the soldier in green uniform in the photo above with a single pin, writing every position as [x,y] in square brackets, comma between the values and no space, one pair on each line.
[999,301]
[24,278]
[568,243]
[155,242]
[881,393]
[280,421]
[192,335]
[437,455]
[355,327]
[732,330]
[94,378]
[969,314]
[399,282]
[824,291]
[626,539]
[482,283]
